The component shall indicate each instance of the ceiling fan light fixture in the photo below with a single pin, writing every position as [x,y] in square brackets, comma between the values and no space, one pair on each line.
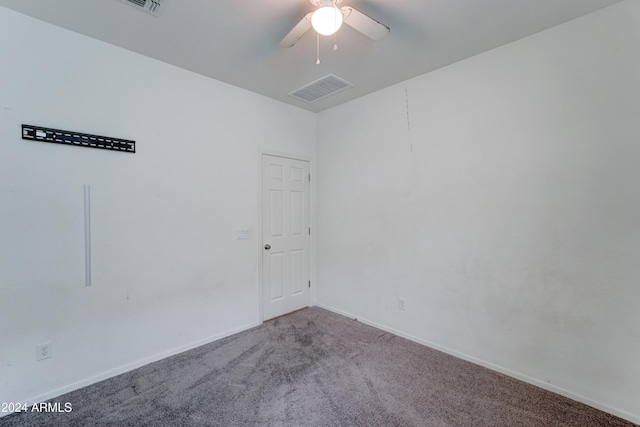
[326,20]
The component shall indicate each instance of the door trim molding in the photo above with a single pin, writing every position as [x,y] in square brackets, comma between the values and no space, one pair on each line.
[312,223]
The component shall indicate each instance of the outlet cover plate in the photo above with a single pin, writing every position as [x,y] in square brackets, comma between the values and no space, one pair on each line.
[44,351]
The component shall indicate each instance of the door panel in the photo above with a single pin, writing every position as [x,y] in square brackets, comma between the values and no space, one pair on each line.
[285,235]
[276,262]
[297,272]
[297,213]
[276,208]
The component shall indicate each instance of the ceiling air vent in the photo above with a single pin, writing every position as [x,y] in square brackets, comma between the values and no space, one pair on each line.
[153,7]
[327,85]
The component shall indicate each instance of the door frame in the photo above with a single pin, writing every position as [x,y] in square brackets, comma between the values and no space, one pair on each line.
[312,224]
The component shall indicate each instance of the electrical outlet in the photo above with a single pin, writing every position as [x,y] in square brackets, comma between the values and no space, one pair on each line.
[44,351]
[402,304]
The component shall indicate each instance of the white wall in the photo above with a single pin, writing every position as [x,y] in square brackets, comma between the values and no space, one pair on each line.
[168,272]
[508,216]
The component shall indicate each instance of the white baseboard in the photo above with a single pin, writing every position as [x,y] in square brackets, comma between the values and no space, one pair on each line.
[130,367]
[533,381]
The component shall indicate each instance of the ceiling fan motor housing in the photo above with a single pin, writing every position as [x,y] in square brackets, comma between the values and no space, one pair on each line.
[324,3]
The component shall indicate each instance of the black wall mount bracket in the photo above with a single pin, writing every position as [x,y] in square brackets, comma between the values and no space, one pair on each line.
[56,136]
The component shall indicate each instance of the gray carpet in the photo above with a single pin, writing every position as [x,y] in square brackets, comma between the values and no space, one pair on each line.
[315,368]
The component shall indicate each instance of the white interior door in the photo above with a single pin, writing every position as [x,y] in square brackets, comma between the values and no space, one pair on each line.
[285,235]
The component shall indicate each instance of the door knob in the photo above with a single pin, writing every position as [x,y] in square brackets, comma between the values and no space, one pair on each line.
[267,246]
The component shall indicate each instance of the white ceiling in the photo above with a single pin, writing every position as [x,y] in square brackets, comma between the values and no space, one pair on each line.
[236,41]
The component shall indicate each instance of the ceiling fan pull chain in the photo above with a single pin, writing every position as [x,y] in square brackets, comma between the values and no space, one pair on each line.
[317,48]
[335,41]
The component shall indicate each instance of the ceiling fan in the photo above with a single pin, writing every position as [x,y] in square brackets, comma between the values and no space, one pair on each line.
[328,18]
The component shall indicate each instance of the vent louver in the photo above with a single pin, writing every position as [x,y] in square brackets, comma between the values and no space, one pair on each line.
[327,85]
[153,7]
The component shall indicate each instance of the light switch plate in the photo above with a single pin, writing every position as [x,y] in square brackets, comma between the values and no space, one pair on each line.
[243,233]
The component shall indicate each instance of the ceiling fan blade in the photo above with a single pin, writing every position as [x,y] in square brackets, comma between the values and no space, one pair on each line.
[298,31]
[363,23]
